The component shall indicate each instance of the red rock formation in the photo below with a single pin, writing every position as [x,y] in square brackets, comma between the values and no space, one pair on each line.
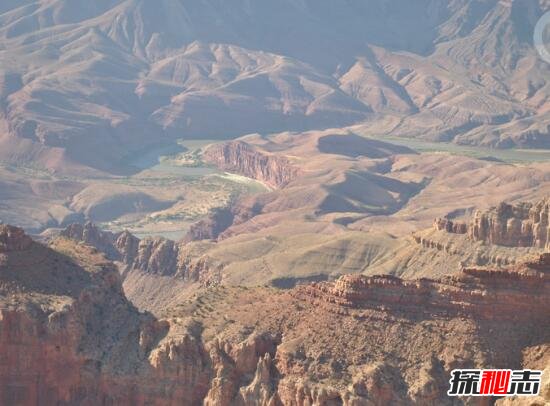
[13,239]
[90,234]
[73,338]
[244,159]
[479,292]
[82,342]
[127,246]
[522,225]
[217,223]
[69,336]
[151,255]
[211,227]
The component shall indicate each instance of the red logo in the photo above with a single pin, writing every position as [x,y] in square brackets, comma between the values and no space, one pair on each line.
[494,382]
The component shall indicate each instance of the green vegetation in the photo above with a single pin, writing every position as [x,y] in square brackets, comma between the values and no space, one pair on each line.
[490,154]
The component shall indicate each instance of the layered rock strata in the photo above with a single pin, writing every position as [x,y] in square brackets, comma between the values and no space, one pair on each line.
[158,256]
[522,225]
[450,226]
[68,335]
[242,158]
[518,293]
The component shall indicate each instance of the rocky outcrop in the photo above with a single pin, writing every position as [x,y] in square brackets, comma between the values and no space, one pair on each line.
[233,367]
[522,225]
[74,338]
[212,226]
[463,254]
[68,335]
[83,342]
[92,235]
[520,293]
[244,159]
[127,247]
[151,255]
[13,239]
[450,226]
[218,222]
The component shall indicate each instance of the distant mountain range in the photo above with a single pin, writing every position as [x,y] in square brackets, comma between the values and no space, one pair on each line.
[87,83]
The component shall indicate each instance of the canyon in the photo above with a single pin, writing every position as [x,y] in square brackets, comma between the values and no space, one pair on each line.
[65,316]
[291,203]
[116,73]
[240,157]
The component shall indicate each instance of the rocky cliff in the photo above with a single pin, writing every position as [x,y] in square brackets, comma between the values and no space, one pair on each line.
[450,226]
[13,239]
[244,159]
[156,256]
[382,340]
[216,224]
[522,225]
[68,335]
[519,293]
[152,255]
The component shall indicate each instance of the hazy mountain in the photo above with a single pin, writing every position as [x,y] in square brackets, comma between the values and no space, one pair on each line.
[92,81]
[284,202]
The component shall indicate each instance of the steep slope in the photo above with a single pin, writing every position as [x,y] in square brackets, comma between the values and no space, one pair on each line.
[67,332]
[88,84]
[338,203]
[526,225]
[65,318]
[500,236]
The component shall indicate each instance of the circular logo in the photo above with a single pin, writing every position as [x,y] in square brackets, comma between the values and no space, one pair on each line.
[541,37]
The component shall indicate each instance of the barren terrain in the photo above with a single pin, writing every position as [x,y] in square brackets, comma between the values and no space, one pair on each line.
[300,202]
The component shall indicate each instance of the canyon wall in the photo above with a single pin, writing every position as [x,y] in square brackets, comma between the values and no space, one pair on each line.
[68,335]
[157,255]
[244,159]
[520,225]
[519,293]
[82,342]
[450,226]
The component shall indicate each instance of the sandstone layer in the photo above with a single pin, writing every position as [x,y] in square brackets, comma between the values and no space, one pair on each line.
[520,293]
[522,225]
[240,157]
[68,335]
[157,256]
[514,225]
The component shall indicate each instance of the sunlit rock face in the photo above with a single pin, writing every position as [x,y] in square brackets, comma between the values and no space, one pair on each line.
[242,158]
[154,255]
[524,225]
[69,335]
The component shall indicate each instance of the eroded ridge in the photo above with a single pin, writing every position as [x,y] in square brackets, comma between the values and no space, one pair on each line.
[519,225]
[13,239]
[154,255]
[242,158]
[518,293]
